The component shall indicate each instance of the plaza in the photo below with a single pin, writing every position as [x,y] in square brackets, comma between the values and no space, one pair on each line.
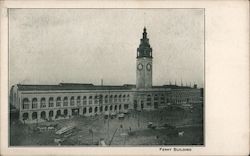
[134,126]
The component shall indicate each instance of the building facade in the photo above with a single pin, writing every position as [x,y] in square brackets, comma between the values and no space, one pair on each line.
[38,103]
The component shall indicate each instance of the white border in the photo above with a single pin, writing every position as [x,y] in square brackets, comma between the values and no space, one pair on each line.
[227,78]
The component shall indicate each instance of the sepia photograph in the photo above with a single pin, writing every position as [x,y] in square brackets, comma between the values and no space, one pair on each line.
[106,77]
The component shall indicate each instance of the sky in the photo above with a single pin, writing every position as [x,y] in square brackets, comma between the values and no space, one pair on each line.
[50,46]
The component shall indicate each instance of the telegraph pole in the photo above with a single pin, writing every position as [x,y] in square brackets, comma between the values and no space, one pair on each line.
[138,119]
[108,126]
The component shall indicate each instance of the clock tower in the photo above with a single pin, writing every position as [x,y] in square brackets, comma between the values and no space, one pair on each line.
[144,63]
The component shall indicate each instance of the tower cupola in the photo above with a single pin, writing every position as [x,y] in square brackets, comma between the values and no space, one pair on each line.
[144,49]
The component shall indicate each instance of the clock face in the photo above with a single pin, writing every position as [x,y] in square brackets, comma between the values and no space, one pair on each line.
[139,66]
[149,66]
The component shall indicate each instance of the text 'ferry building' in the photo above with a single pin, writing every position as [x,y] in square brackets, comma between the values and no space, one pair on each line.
[37,103]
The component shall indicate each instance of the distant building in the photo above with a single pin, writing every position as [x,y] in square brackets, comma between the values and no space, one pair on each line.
[37,103]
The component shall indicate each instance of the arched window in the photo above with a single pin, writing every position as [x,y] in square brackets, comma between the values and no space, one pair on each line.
[115,107]
[124,98]
[106,108]
[90,109]
[101,99]
[84,100]
[84,110]
[51,102]
[115,98]
[34,103]
[96,99]
[25,116]
[90,100]
[155,97]
[43,114]
[120,98]
[34,115]
[120,107]
[128,97]
[58,102]
[51,113]
[78,100]
[111,107]
[43,103]
[65,101]
[142,104]
[58,113]
[106,99]
[72,101]
[149,98]
[100,108]
[135,104]
[26,103]
[96,109]
[65,112]
[111,98]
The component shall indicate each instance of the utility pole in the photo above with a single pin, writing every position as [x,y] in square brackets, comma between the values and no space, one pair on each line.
[108,126]
[113,137]
[138,119]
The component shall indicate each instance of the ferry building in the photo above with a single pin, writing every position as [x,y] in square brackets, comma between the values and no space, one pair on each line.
[38,103]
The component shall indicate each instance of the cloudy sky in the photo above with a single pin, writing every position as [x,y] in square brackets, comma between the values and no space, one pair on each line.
[49,46]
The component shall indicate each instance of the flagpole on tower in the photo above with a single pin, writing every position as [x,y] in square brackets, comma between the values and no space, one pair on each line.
[144,19]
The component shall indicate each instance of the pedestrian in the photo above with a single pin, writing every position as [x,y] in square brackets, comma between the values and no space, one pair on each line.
[157,137]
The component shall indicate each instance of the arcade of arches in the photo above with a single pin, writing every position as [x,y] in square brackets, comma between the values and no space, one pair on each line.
[67,112]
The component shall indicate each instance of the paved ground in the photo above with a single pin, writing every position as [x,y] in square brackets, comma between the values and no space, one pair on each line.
[114,131]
